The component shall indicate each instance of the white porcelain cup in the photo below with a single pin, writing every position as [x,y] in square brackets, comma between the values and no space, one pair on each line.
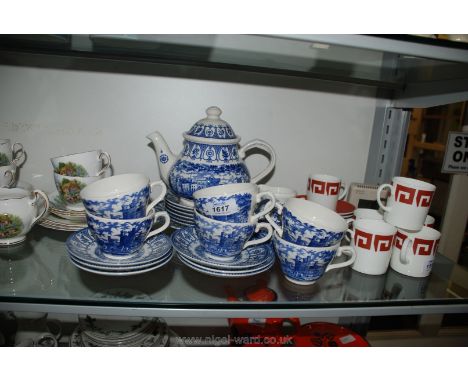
[10,154]
[372,240]
[430,221]
[8,175]
[367,213]
[233,203]
[282,194]
[325,190]
[408,204]
[413,253]
[18,213]
[89,163]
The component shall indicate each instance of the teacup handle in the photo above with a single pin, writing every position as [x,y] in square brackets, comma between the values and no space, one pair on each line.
[404,259]
[345,249]
[270,220]
[46,205]
[269,206]
[12,175]
[379,191]
[107,162]
[349,234]
[167,221]
[18,152]
[258,227]
[159,198]
[262,145]
[343,191]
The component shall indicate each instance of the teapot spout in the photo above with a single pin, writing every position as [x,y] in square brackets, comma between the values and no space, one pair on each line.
[166,158]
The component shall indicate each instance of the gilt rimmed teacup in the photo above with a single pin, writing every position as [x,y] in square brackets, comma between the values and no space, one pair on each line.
[123,196]
[226,239]
[89,163]
[308,223]
[124,236]
[233,202]
[69,187]
[19,212]
[305,265]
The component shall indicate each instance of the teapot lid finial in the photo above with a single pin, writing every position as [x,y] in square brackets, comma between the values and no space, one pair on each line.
[212,127]
[213,112]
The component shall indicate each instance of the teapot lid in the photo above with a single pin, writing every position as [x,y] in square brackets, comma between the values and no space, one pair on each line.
[212,127]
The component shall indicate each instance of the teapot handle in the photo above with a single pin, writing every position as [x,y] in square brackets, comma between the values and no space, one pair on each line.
[262,145]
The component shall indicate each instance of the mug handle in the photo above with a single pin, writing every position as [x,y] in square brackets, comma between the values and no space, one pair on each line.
[167,221]
[379,191]
[107,162]
[263,239]
[160,197]
[46,205]
[404,259]
[17,148]
[343,192]
[262,145]
[349,232]
[269,206]
[344,249]
[270,220]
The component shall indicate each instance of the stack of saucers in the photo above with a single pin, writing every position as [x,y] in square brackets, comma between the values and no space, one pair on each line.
[61,218]
[181,215]
[345,209]
[251,261]
[98,331]
[84,252]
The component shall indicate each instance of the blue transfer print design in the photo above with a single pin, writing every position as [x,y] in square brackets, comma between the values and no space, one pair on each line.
[233,208]
[303,264]
[130,206]
[186,242]
[163,158]
[301,233]
[220,238]
[120,238]
[83,246]
[212,131]
[186,177]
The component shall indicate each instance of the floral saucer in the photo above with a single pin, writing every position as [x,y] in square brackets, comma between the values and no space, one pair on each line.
[186,242]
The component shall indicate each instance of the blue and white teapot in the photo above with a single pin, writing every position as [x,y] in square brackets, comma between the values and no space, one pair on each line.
[210,157]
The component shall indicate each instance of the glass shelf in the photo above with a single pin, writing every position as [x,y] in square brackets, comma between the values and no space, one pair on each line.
[383,62]
[37,276]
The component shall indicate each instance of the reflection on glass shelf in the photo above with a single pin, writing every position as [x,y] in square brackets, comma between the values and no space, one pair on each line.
[40,269]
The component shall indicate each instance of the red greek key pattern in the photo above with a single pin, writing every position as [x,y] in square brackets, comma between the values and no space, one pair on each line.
[324,188]
[424,247]
[399,239]
[383,243]
[408,195]
[362,239]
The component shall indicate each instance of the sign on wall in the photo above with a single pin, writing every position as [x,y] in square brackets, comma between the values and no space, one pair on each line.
[456,154]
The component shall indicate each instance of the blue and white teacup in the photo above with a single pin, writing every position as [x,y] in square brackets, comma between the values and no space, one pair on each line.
[305,265]
[225,239]
[308,223]
[121,196]
[233,203]
[124,236]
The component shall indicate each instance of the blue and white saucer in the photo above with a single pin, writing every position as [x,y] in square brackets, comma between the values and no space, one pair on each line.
[185,241]
[225,273]
[82,247]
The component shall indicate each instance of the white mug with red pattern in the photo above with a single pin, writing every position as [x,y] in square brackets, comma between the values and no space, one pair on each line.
[372,241]
[414,252]
[408,204]
[325,190]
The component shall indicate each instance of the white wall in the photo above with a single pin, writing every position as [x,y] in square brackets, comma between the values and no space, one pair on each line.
[54,112]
